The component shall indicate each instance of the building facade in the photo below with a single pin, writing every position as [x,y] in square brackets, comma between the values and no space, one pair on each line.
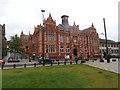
[62,41]
[3,42]
[113,47]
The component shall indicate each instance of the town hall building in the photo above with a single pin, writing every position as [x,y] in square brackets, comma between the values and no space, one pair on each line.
[62,41]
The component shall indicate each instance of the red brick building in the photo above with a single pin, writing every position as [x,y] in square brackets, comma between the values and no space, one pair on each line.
[62,40]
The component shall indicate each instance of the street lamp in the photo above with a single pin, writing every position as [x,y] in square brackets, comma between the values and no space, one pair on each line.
[107,56]
[43,12]
[105,36]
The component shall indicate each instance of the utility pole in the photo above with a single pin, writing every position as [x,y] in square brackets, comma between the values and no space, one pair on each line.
[43,11]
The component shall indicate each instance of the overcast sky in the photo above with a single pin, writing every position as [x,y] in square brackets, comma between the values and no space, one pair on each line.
[23,15]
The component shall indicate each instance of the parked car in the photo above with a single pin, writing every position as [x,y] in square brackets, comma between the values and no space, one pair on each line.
[2,62]
[46,60]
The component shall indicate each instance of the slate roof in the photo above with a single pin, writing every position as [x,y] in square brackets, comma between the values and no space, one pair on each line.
[64,27]
[26,37]
[85,30]
[108,41]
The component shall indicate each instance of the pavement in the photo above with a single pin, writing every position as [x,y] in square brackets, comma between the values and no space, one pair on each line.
[23,61]
[112,66]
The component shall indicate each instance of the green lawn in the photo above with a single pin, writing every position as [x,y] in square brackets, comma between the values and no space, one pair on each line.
[69,76]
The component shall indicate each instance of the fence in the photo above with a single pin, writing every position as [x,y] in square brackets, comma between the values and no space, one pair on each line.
[38,64]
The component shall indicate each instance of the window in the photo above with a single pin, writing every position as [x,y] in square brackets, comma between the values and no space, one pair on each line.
[74,38]
[117,45]
[50,36]
[85,49]
[80,49]
[111,45]
[50,48]
[67,39]
[67,49]
[92,39]
[92,49]
[81,40]
[103,50]
[61,49]
[61,38]
[102,45]
[114,45]
[85,41]
[112,51]
[117,51]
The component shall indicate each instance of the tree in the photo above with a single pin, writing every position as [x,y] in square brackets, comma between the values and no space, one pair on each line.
[14,44]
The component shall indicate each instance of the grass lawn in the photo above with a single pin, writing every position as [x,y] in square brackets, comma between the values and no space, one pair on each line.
[64,76]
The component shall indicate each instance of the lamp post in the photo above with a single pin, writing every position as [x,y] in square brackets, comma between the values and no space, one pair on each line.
[105,36]
[107,56]
[43,11]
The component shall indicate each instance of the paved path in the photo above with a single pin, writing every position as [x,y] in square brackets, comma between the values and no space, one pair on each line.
[112,66]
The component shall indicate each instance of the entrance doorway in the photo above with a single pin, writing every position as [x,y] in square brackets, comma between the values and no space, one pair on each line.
[75,52]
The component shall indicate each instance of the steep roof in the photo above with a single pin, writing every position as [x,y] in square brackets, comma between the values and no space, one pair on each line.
[85,30]
[25,36]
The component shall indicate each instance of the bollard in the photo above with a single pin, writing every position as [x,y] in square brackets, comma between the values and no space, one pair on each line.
[65,63]
[51,63]
[76,61]
[34,64]
[24,65]
[58,63]
[14,66]
[43,64]
[70,62]
[2,66]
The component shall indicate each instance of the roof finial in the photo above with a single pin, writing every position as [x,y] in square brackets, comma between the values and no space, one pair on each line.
[92,25]
[21,32]
[29,32]
[49,14]
[74,23]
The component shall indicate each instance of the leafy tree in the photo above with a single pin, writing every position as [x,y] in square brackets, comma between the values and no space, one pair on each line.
[14,44]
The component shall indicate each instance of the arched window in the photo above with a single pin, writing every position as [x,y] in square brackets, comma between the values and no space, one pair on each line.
[85,49]
[67,49]
[61,49]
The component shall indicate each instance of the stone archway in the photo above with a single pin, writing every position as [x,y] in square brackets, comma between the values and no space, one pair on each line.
[75,52]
